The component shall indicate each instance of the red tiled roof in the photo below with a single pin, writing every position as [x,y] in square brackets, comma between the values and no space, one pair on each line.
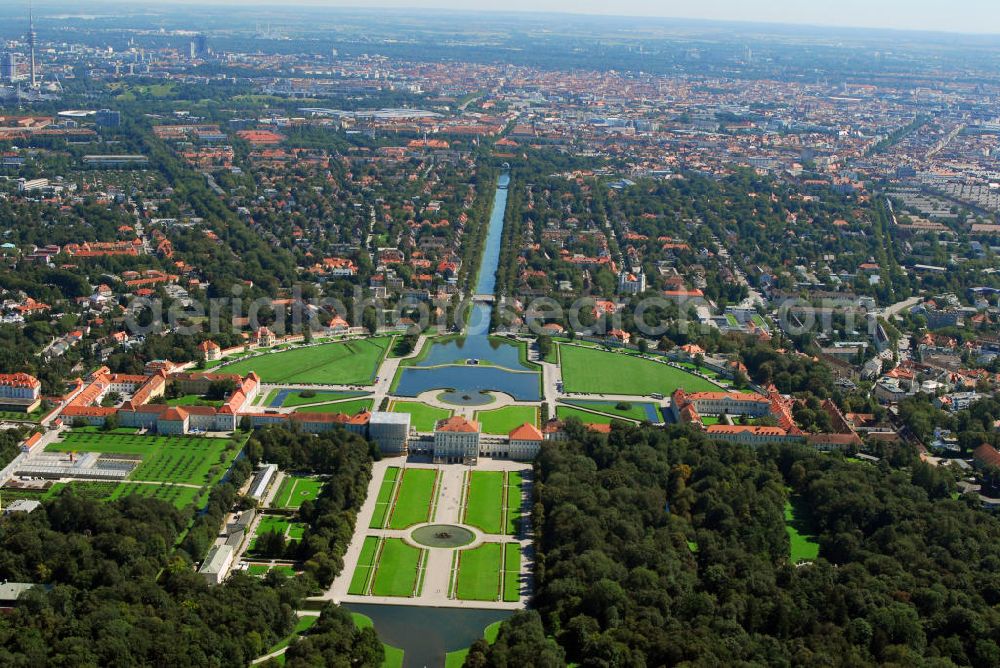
[526,432]
[175,414]
[743,429]
[457,423]
[987,455]
[19,380]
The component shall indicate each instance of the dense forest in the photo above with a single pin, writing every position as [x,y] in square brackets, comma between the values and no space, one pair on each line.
[660,548]
[116,584]
[113,593]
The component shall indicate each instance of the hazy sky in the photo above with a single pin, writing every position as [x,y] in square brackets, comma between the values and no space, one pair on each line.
[979,16]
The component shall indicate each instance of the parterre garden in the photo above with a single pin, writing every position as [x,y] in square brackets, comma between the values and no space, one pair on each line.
[179,496]
[511,572]
[388,567]
[478,573]
[386,492]
[414,498]
[489,572]
[295,490]
[175,469]
[183,460]
[493,501]
[260,570]
[273,523]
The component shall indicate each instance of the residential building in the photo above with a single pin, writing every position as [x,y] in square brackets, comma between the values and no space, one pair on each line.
[210,351]
[631,282]
[940,318]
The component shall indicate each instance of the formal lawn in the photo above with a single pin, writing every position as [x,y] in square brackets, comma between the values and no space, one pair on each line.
[384,498]
[363,571]
[398,569]
[295,490]
[593,371]
[351,407]
[413,500]
[184,460]
[422,417]
[393,655]
[635,410]
[268,524]
[511,572]
[484,501]
[479,573]
[505,420]
[193,400]
[566,412]
[293,398]
[514,501]
[271,523]
[345,363]
[260,570]
[803,546]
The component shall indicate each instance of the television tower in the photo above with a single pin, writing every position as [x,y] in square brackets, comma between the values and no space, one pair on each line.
[31,46]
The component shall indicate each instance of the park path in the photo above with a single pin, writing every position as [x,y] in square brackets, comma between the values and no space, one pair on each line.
[277,653]
[389,367]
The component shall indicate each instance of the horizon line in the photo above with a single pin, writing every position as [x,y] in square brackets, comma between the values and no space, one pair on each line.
[389,7]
